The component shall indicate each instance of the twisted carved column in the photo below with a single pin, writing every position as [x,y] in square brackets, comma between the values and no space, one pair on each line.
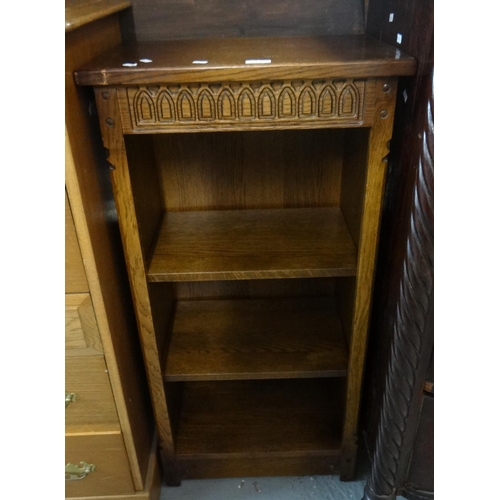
[413,301]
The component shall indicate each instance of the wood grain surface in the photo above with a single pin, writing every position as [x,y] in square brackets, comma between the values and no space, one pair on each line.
[81,12]
[146,188]
[379,137]
[256,339]
[253,244]
[250,170]
[81,333]
[75,278]
[354,180]
[138,495]
[278,104]
[94,410]
[168,19]
[345,297]
[152,486]
[112,473]
[291,58]
[352,205]
[109,118]
[255,289]
[244,418]
[281,427]
[259,464]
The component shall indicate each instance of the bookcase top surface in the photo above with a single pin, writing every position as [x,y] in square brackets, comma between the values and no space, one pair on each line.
[243,59]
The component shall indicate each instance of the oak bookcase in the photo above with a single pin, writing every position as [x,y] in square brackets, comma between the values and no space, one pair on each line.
[248,176]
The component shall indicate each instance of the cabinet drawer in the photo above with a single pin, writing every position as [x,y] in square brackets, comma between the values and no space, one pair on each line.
[82,334]
[107,453]
[94,408]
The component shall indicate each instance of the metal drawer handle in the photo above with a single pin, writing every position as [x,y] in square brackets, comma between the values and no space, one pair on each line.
[75,472]
[70,398]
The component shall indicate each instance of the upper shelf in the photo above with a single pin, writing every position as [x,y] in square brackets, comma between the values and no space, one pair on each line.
[253,244]
[241,59]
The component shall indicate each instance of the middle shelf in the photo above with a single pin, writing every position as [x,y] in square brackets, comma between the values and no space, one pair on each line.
[253,244]
[256,339]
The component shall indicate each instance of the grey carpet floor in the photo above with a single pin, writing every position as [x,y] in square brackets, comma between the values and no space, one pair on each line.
[267,488]
[273,488]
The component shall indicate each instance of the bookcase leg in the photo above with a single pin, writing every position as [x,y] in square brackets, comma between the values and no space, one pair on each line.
[113,140]
[380,135]
[348,464]
[171,473]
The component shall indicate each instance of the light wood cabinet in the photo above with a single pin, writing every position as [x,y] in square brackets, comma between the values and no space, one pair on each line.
[109,423]
[249,196]
[112,473]
[82,334]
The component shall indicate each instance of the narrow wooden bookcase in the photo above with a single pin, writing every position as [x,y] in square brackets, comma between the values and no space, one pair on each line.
[248,176]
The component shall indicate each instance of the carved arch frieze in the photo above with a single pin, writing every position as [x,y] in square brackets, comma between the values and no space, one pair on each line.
[251,103]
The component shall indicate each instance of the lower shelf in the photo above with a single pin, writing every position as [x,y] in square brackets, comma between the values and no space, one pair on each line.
[256,339]
[272,427]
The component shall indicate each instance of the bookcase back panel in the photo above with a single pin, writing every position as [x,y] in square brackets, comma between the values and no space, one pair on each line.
[250,170]
[171,19]
[354,180]
[148,200]
[254,289]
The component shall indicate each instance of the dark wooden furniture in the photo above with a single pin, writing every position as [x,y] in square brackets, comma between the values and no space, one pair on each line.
[399,402]
[111,451]
[248,194]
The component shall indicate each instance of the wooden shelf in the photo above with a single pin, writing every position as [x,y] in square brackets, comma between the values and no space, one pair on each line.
[253,244]
[248,418]
[291,57]
[256,339]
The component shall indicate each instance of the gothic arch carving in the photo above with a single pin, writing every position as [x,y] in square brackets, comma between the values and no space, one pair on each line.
[185,106]
[144,108]
[206,106]
[165,107]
